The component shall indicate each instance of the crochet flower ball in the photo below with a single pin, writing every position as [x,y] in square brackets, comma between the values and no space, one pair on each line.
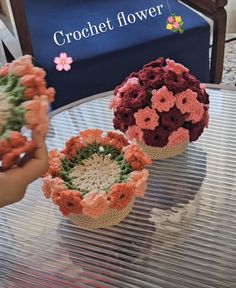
[95,173]
[24,101]
[161,105]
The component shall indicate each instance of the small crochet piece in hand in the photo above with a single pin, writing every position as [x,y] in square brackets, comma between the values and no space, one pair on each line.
[24,101]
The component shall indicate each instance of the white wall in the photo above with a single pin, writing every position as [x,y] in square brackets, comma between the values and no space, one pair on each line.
[231,13]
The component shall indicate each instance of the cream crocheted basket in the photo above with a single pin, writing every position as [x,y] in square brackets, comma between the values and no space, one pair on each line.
[157,153]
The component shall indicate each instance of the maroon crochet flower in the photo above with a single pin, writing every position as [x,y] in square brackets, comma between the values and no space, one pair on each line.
[195,130]
[124,117]
[152,77]
[157,137]
[160,62]
[172,119]
[174,82]
[135,98]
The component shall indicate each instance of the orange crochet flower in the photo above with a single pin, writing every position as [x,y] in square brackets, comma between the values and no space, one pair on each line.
[177,137]
[186,100]
[136,157]
[147,118]
[95,204]
[36,114]
[121,194]
[72,146]
[115,139]
[91,136]
[139,178]
[70,202]
[54,163]
[162,99]
[57,186]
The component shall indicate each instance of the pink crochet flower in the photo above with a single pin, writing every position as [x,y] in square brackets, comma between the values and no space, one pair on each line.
[171,19]
[196,113]
[63,62]
[95,204]
[162,99]
[177,137]
[140,180]
[179,69]
[186,100]
[176,25]
[147,118]
[134,132]
[129,84]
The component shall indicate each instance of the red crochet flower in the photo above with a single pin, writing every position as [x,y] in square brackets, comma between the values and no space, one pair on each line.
[157,137]
[124,117]
[174,82]
[160,62]
[135,98]
[172,119]
[152,77]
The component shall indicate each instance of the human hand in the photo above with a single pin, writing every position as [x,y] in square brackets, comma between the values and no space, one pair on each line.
[14,182]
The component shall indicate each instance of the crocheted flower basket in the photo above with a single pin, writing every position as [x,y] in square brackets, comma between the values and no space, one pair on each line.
[24,101]
[96,178]
[162,107]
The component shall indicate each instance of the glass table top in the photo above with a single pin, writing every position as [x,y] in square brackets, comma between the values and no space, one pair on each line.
[181,234]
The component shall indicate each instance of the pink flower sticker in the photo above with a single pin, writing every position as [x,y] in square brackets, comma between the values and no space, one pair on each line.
[63,62]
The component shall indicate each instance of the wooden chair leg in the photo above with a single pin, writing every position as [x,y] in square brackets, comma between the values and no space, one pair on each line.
[218,48]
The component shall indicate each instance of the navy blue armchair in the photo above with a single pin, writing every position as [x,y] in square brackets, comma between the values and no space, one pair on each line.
[107,40]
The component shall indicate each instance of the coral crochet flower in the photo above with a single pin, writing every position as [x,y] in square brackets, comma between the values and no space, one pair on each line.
[134,132]
[178,137]
[63,62]
[133,81]
[146,118]
[47,184]
[121,194]
[91,136]
[179,69]
[54,162]
[116,140]
[140,180]
[136,157]
[95,204]
[57,186]
[36,114]
[162,99]
[70,202]
[196,113]
[73,146]
[186,100]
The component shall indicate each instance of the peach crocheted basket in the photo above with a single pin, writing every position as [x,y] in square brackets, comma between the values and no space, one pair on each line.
[94,181]
[162,107]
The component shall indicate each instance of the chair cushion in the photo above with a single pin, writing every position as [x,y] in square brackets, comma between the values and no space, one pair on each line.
[105,54]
